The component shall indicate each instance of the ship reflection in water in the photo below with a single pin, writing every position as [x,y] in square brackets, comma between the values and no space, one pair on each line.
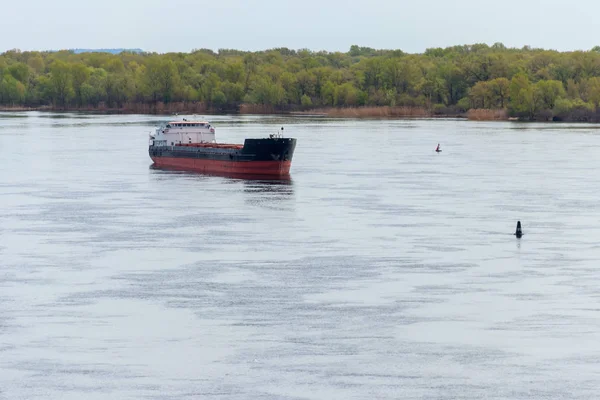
[268,192]
[252,182]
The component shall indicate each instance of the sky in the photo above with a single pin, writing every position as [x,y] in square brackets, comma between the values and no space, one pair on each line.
[332,25]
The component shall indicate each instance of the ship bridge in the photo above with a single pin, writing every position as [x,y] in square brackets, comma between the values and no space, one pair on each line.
[184,132]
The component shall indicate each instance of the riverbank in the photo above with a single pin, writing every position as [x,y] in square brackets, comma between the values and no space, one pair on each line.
[250,109]
[366,112]
[200,108]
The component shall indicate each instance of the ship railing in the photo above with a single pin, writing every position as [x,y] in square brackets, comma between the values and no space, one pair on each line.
[278,135]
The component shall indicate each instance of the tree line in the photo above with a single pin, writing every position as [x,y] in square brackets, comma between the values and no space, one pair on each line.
[528,83]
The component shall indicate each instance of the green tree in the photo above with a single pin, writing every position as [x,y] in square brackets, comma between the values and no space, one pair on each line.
[161,79]
[36,63]
[264,91]
[218,99]
[549,92]
[434,88]
[250,66]
[500,88]
[118,87]
[61,82]
[594,91]
[208,84]
[80,74]
[11,91]
[305,101]
[328,94]
[346,95]
[234,93]
[19,71]
[520,94]
[481,95]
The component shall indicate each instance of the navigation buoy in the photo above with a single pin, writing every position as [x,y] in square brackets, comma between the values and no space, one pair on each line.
[519,231]
[437,149]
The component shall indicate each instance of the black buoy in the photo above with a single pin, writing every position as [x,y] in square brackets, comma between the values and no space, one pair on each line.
[519,231]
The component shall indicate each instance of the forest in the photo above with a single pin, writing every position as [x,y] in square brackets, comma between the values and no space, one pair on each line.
[494,82]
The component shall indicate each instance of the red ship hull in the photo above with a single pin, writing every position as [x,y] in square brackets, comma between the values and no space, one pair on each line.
[264,168]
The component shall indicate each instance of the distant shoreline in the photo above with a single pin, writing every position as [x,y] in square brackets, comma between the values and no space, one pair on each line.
[374,112]
[475,82]
[248,109]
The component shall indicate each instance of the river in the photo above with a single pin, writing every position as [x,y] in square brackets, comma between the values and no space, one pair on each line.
[380,270]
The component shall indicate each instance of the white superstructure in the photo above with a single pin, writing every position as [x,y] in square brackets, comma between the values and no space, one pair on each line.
[184,132]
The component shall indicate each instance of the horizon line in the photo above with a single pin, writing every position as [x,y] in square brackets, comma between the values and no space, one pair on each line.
[141,50]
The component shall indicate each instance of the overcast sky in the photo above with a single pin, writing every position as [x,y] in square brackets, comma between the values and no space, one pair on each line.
[183,25]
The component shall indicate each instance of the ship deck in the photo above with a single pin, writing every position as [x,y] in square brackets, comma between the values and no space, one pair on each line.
[214,145]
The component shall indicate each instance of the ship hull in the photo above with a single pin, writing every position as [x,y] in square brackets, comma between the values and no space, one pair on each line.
[267,168]
[259,157]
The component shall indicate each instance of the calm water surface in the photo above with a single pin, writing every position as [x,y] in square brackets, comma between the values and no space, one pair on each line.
[381,270]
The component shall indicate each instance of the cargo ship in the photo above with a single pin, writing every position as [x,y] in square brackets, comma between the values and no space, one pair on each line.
[191,145]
